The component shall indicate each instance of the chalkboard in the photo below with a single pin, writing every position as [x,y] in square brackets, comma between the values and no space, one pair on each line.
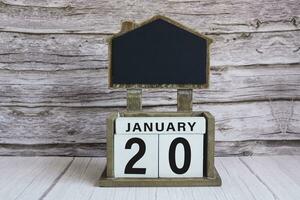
[159,54]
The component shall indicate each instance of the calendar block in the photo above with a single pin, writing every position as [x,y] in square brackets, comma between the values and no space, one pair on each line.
[136,156]
[181,155]
[159,148]
[160,125]
[154,158]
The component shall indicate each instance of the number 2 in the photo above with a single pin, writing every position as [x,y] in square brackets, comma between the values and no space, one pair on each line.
[142,149]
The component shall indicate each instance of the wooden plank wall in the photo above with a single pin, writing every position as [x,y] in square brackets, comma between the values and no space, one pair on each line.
[54,96]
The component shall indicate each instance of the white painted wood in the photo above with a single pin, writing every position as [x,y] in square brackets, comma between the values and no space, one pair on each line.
[80,181]
[238,183]
[276,174]
[249,178]
[289,165]
[160,125]
[122,155]
[29,177]
[195,146]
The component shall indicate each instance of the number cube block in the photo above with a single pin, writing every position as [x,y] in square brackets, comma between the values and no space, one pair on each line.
[136,156]
[181,155]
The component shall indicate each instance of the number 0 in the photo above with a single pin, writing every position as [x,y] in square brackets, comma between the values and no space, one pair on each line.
[187,155]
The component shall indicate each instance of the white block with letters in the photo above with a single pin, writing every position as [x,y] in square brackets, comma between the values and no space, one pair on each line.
[181,155]
[158,125]
[136,156]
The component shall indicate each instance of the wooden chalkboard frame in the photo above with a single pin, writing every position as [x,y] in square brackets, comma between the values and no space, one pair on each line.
[184,108]
[210,178]
[172,86]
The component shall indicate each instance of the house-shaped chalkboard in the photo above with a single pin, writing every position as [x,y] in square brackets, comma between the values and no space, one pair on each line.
[159,53]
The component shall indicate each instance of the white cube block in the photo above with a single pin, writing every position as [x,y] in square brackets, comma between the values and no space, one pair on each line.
[136,156]
[160,125]
[181,155]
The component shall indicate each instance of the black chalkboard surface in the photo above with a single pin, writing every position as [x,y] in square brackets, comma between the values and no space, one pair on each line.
[159,54]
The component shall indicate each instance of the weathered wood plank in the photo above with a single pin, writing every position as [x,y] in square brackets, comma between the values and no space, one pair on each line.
[66,52]
[89,87]
[95,16]
[52,52]
[258,147]
[274,176]
[256,48]
[83,175]
[58,149]
[30,177]
[53,76]
[234,122]
[79,183]
[289,165]
[238,182]
[52,125]
[67,178]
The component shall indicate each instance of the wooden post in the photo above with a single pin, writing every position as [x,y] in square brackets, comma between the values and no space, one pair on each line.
[184,100]
[127,26]
[134,99]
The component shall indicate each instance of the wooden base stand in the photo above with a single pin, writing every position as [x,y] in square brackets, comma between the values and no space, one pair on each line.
[184,107]
[159,182]
[210,178]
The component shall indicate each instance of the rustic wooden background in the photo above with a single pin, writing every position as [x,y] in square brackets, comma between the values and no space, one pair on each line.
[54,96]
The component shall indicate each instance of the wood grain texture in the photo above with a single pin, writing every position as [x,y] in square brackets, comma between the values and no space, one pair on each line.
[102,17]
[68,126]
[65,52]
[273,172]
[251,178]
[258,147]
[29,177]
[89,87]
[234,122]
[84,173]
[223,148]
[54,95]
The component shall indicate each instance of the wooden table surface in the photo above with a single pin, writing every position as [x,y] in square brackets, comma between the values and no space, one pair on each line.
[276,177]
